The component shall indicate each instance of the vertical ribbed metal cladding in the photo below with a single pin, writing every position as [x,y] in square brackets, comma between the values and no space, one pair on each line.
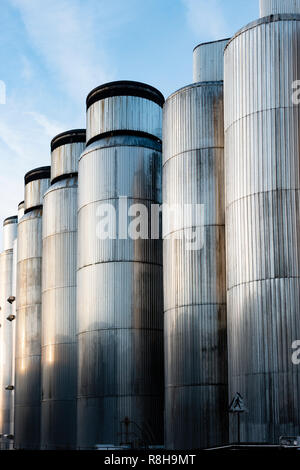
[274,7]
[262,148]
[6,331]
[21,210]
[29,305]
[120,310]
[208,62]
[59,351]
[194,281]
[14,329]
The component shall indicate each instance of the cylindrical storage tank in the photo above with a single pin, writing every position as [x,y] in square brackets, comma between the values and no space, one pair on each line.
[29,303]
[6,332]
[262,147]
[208,62]
[21,210]
[120,311]
[196,397]
[275,7]
[59,355]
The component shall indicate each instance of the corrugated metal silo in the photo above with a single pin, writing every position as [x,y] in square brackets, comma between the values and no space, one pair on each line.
[29,302]
[262,148]
[13,317]
[6,332]
[194,276]
[208,65]
[21,210]
[59,355]
[274,7]
[120,338]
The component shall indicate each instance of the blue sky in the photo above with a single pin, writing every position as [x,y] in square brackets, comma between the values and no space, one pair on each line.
[53,52]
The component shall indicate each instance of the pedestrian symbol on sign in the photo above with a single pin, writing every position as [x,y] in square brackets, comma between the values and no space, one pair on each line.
[237,407]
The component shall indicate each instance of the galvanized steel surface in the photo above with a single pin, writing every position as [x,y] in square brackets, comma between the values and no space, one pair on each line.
[208,63]
[13,349]
[263,204]
[21,209]
[273,7]
[9,232]
[64,159]
[124,113]
[59,350]
[6,342]
[34,193]
[28,334]
[120,336]
[194,281]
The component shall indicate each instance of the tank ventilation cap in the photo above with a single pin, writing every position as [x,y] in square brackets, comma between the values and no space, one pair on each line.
[68,137]
[11,220]
[40,173]
[125,88]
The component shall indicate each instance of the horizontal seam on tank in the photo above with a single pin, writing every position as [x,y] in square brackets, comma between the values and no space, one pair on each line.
[221,304]
[191,150]
[119,395]
[192,227]
[160,330]
[59,233]
[32,257]
[53,189]
[186,88]
[262,192]
[44,346]
[262,280]
[117,145]
[22,307]
[116,198]
[119,262]
[45,400]
[250,374]
[58,288]
[208,384]
[25,405]
[27,355]
[257,112]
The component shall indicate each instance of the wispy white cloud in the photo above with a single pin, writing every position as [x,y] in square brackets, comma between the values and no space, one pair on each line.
[27,69]
[207,18]
[24,144]
[68,38]
[50,128]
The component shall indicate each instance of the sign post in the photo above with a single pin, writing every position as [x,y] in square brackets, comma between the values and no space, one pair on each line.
[238,406]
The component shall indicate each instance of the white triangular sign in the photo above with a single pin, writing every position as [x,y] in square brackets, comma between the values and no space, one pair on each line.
[238,405]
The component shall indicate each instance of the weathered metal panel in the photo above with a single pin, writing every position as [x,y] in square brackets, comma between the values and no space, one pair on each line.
[65,149]
[13,348]
[263,233]
[208,63]
[9,232]
[110,108]
[195,280]
[59,350]
[6,333]
[120,338]
[21,209]
[34,193]
[274,7]
[28,334]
